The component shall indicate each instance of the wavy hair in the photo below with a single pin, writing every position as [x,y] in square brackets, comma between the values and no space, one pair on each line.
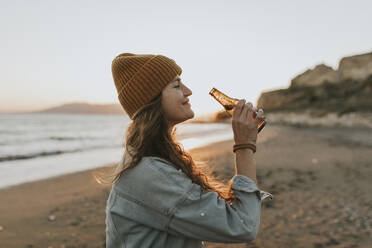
[149,134]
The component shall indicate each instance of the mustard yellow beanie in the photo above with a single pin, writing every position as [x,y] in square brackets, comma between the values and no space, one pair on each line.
[140,77]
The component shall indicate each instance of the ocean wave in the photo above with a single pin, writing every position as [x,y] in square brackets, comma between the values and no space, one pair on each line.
[64,138]
[34,155]
[60,138]
[4,158]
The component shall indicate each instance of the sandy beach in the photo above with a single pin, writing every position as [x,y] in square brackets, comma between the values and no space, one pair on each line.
[320,178]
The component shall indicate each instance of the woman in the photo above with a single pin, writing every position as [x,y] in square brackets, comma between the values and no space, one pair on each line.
[159,197]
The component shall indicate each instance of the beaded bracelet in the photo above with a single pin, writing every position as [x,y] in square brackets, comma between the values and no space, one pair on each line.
[251,146]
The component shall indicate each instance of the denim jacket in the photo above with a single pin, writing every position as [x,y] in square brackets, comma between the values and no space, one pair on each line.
[156,205]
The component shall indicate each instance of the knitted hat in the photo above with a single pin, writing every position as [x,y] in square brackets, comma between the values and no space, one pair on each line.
[140,77]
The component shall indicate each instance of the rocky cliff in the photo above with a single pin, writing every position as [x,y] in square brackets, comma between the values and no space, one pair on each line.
[357,67]
[317,76]
[347,89]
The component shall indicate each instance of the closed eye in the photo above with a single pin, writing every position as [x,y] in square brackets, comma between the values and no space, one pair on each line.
[179,83]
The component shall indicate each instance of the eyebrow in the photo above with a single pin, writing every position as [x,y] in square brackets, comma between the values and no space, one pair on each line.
[178,80]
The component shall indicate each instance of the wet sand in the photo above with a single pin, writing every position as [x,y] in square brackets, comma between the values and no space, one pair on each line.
[320,177]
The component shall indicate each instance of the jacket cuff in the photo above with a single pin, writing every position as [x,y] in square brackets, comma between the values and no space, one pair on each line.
[244,183]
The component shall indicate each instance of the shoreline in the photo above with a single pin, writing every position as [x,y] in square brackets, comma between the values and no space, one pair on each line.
[50,166]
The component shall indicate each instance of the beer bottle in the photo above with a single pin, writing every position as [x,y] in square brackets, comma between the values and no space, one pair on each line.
[229,104]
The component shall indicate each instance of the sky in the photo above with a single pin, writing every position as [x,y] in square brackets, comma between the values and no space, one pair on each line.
[54,52]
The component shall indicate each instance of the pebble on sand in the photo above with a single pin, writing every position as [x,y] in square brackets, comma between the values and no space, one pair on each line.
[52,217]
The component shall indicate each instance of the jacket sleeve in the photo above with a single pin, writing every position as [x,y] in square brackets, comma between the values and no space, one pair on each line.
[206,216]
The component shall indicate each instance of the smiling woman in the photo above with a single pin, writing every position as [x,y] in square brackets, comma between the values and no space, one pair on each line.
[160,197]
[175,102]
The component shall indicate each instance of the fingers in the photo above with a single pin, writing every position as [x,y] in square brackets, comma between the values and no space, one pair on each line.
[239,108]
[254,112]
[245,111]
[255,109]
[248,111]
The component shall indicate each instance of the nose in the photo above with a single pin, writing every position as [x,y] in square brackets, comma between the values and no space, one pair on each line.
[186,91]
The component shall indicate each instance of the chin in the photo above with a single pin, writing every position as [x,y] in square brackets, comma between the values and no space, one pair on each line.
[191,114]
[188,117]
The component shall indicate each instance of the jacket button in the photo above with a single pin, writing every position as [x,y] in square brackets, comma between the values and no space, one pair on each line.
[202,214]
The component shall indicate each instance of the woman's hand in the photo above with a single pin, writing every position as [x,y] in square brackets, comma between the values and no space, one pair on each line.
[244,124]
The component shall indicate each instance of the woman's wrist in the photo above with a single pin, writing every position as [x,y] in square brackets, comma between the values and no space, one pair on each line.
[248,151]
[243,146]
[245,163]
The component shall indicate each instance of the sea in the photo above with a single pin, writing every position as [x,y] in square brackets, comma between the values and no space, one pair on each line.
[38,146]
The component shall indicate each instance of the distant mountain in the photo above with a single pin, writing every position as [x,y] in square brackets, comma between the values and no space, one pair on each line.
[85,108]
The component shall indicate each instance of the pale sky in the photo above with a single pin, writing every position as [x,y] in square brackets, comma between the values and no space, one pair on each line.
[55,52]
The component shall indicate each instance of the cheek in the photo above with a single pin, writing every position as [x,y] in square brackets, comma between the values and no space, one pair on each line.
[168,106]
[172,108]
